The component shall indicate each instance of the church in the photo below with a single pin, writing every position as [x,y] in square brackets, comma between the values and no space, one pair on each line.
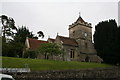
[77,47]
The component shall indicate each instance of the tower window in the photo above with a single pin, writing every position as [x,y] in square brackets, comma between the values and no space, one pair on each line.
[72,53]
[86,45]
[73,33]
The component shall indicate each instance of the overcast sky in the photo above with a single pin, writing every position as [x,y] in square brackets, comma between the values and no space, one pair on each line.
[55,17]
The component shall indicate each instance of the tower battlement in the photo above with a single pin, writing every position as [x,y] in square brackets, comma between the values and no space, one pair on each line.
[80,23]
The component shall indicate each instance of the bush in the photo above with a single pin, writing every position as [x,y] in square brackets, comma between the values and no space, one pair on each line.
[30,54]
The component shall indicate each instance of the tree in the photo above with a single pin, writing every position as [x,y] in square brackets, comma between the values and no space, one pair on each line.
[0,46]
[118,43]
[22,33]
[19,39]
[106,41]
[13,42]
[12,49]
[8,24]
[49,49]
[40,34]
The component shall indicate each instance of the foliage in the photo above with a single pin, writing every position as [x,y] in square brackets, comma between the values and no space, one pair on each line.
[22,33]
[12,49]
[15,47]
[30,54]
[49,49]
[8,24]
[39,64]
[107,42]
[40,34]
[13,43]
[0,46]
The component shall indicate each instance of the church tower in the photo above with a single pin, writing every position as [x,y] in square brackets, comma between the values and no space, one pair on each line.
[81,31]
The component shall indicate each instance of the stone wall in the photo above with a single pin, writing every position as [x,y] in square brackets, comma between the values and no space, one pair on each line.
[82,74]
[67,53]
[78,32]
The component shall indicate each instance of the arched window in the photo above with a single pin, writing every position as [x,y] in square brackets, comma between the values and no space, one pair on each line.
[73,33]
[86,45]
[72,53]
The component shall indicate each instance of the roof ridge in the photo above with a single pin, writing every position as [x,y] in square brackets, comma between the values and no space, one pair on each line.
[63,36]
[36,39]
[80,19]
[67,37]
[68,40]
[51,38]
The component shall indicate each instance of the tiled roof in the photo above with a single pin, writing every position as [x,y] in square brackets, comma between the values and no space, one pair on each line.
[53,40]
[34,43]
[68,41]
[80,19]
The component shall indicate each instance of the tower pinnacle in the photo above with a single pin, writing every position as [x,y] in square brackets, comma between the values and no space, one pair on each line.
[79,14]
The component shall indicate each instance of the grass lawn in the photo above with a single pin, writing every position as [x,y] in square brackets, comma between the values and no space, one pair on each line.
[40,64]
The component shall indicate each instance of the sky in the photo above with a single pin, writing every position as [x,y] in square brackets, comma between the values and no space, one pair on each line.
[54,17]
[119,13]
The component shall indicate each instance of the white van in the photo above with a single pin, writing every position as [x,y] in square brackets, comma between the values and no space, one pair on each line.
[6,77]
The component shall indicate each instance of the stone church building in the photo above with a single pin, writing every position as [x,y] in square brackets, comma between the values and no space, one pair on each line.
[77,47]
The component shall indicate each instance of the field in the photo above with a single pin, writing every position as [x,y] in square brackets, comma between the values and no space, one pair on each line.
[40,64]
